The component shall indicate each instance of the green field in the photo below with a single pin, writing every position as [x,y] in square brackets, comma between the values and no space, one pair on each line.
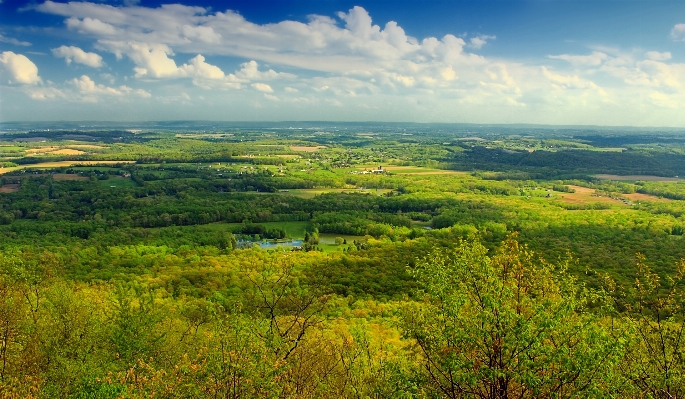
[472,260]
[117,182]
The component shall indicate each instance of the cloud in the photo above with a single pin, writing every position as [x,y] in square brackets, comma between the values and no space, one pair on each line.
[91,26]
[77,55]
[45,93]
[318,45]
[662,74]
[91,90]
[20,69]
[350,60]
[663,100]
[678,32]
[594,59]
[657,56]
[13,41]
[570,82]
[263,87]
[153,61]
[201,33]
[479,41]
[250,71]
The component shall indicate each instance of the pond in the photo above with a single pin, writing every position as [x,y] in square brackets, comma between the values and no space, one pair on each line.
[270,244]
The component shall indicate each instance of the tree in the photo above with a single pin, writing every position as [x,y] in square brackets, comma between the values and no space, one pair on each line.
[135,319]
[289,309]
[655,313]
[507,326]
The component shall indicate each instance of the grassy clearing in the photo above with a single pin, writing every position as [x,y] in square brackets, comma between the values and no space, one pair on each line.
[40,150]
[68,176]
[304,148]
[329,239]
[294,230]
[67,151]
[59,164]
[313,192]
[10,188]
[87,146]
[90,168]
[606,149]
[411,170]
[583,195]
[645,197]
[117,182]
[11,148]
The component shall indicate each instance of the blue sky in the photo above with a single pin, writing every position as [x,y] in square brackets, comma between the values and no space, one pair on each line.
[546,62]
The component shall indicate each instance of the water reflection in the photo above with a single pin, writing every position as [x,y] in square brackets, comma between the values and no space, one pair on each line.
[266,244]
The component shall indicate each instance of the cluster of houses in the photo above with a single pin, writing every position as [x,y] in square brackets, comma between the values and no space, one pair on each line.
[378,171]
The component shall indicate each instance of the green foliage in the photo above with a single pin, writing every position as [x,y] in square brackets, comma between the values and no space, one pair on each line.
[141,290]
[655,313]
[507,326]
[135,331]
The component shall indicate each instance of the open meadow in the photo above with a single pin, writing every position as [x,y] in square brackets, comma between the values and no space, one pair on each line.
[165,252]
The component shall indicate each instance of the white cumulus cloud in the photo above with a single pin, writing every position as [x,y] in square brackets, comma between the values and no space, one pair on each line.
[20,69]
[250,71]
[91,90]
[91,26]
[479,41]
[570,81]
[75,54]
[594,59]
[678,32]
[45,93]
[657,56]
[263,87]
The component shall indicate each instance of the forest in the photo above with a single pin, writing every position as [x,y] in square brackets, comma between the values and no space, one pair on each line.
[358,260]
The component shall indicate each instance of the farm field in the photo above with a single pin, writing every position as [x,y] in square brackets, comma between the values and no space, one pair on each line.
[59,164]
[409,170]
[10,188]
[304,148]
[68,176]
[203,244]
[584,195]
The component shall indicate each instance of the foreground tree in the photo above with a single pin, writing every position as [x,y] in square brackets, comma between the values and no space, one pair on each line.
[507,326]
[655,314]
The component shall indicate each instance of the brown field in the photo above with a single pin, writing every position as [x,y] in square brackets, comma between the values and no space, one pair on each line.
[66,151]
[437,172]
[40,150]
[583,195]
[52,151]
[86,146]
[59,164]
[10,188]
[304,148]
[68,176]
[638,177]
[413,170]
[645,197]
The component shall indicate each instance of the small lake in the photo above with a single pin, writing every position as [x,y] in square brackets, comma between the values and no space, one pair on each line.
[266,244]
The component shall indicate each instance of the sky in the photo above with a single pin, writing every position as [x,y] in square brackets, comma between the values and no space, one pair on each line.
[557,62]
